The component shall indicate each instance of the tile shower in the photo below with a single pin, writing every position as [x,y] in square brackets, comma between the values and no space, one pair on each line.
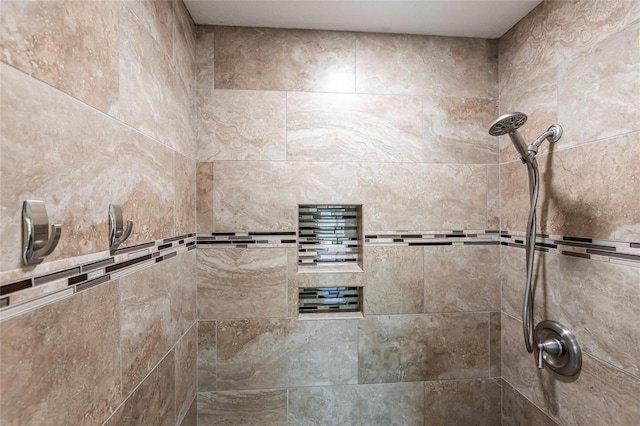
[211,137]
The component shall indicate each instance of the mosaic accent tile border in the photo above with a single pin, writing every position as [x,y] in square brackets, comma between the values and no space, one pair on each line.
[619,252]
[432,238]
[28,293]
[247,239]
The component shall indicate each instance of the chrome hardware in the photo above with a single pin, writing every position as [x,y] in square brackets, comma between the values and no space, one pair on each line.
[553,135]
[557,348]
[117,233]
[37,241]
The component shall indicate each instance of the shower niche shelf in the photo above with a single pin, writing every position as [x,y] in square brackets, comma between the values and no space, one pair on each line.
[330,238]
[320,303]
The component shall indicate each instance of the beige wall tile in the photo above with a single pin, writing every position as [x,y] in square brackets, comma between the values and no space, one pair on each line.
[456,130]
[153,402]
[191,418]
[495,344]
[461,278]
[406,348]
[262,407]
[204,197]
[598,302]
[52,356]
[599,90]
[205,57]
[67,151]
[425,65]
[157,307]
[157,17]
[381,404]
[346,127]
[185,198]
[184,45]
[463,402]
[186,371]
[493,197]
[394,280]
[242,283]
[518,411]
[56,42]
[241,125]
[207,356]
[269,353]
[275,59]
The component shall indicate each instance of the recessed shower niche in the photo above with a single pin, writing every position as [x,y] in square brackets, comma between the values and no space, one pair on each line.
[330,238]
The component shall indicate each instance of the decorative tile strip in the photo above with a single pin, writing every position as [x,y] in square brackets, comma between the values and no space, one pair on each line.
[247,239]
[431,238]
[620,252]
[29,293]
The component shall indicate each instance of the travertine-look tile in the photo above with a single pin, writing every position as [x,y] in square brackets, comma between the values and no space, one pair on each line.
[153,98]
[588,190]
[461,278]
[191,418]
[463,402]
[599,90]
[207,356]
[157,18]
[394,280]
[52,356]
[518,411]
[184,42]
[493,197]
[205,57]
[185,198]
[270,353]
[425,65]
[495,344]
[251,196]
[600,301]
[538,99]
[380,404]
[456,130]
[599,392]
[91,151]
[152,403]
[57,42]
[241,125]
[347,127]
[242,283]
[251,408]
[157,307]
[417,196]
[204,197]
[406,348]
[186,371]
[297,280]
[279,59]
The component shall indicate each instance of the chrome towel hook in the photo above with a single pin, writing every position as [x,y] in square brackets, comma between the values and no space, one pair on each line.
[37,241]
[117,233]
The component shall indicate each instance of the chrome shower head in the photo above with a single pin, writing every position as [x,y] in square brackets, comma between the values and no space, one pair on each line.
[508,124]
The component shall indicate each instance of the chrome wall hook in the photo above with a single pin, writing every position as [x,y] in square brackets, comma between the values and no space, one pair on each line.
[117,233]
[37,241]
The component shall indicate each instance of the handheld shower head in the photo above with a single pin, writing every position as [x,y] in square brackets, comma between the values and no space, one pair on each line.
[508,124]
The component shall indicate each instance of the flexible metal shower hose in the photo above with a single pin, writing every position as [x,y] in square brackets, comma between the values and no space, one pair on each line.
[530,247]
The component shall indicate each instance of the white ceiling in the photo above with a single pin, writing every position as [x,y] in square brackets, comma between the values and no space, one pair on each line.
[461,18]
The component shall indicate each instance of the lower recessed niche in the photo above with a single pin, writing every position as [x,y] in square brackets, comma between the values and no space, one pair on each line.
[330,238]
[329,302]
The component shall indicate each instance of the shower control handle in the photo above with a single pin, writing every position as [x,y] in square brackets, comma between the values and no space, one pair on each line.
[551,346]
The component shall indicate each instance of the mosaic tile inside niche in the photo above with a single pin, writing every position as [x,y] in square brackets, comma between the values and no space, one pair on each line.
[23,295]
[618,252]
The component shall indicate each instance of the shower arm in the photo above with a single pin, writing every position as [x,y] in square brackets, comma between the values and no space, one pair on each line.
[553,134]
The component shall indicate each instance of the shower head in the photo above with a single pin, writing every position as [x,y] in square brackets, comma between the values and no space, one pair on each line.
[508,124]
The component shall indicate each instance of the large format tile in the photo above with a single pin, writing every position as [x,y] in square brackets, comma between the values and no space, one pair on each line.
[184,42]
[461,278]
[394,280]
[158,305]
[204,197]
[205,57]
[518,411]
[426,65]
[246,408]
[157,18]
[242,283]
[186,371]
[493,196]
[241,125]
[456,130]
[406,348]
[153,402]
[61,363]
[463,402]
[91,151]
[599,91]
[57,42]
[207,356]
[279,59]
[348,127]
[381,404]
[185,198]
[273,353]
